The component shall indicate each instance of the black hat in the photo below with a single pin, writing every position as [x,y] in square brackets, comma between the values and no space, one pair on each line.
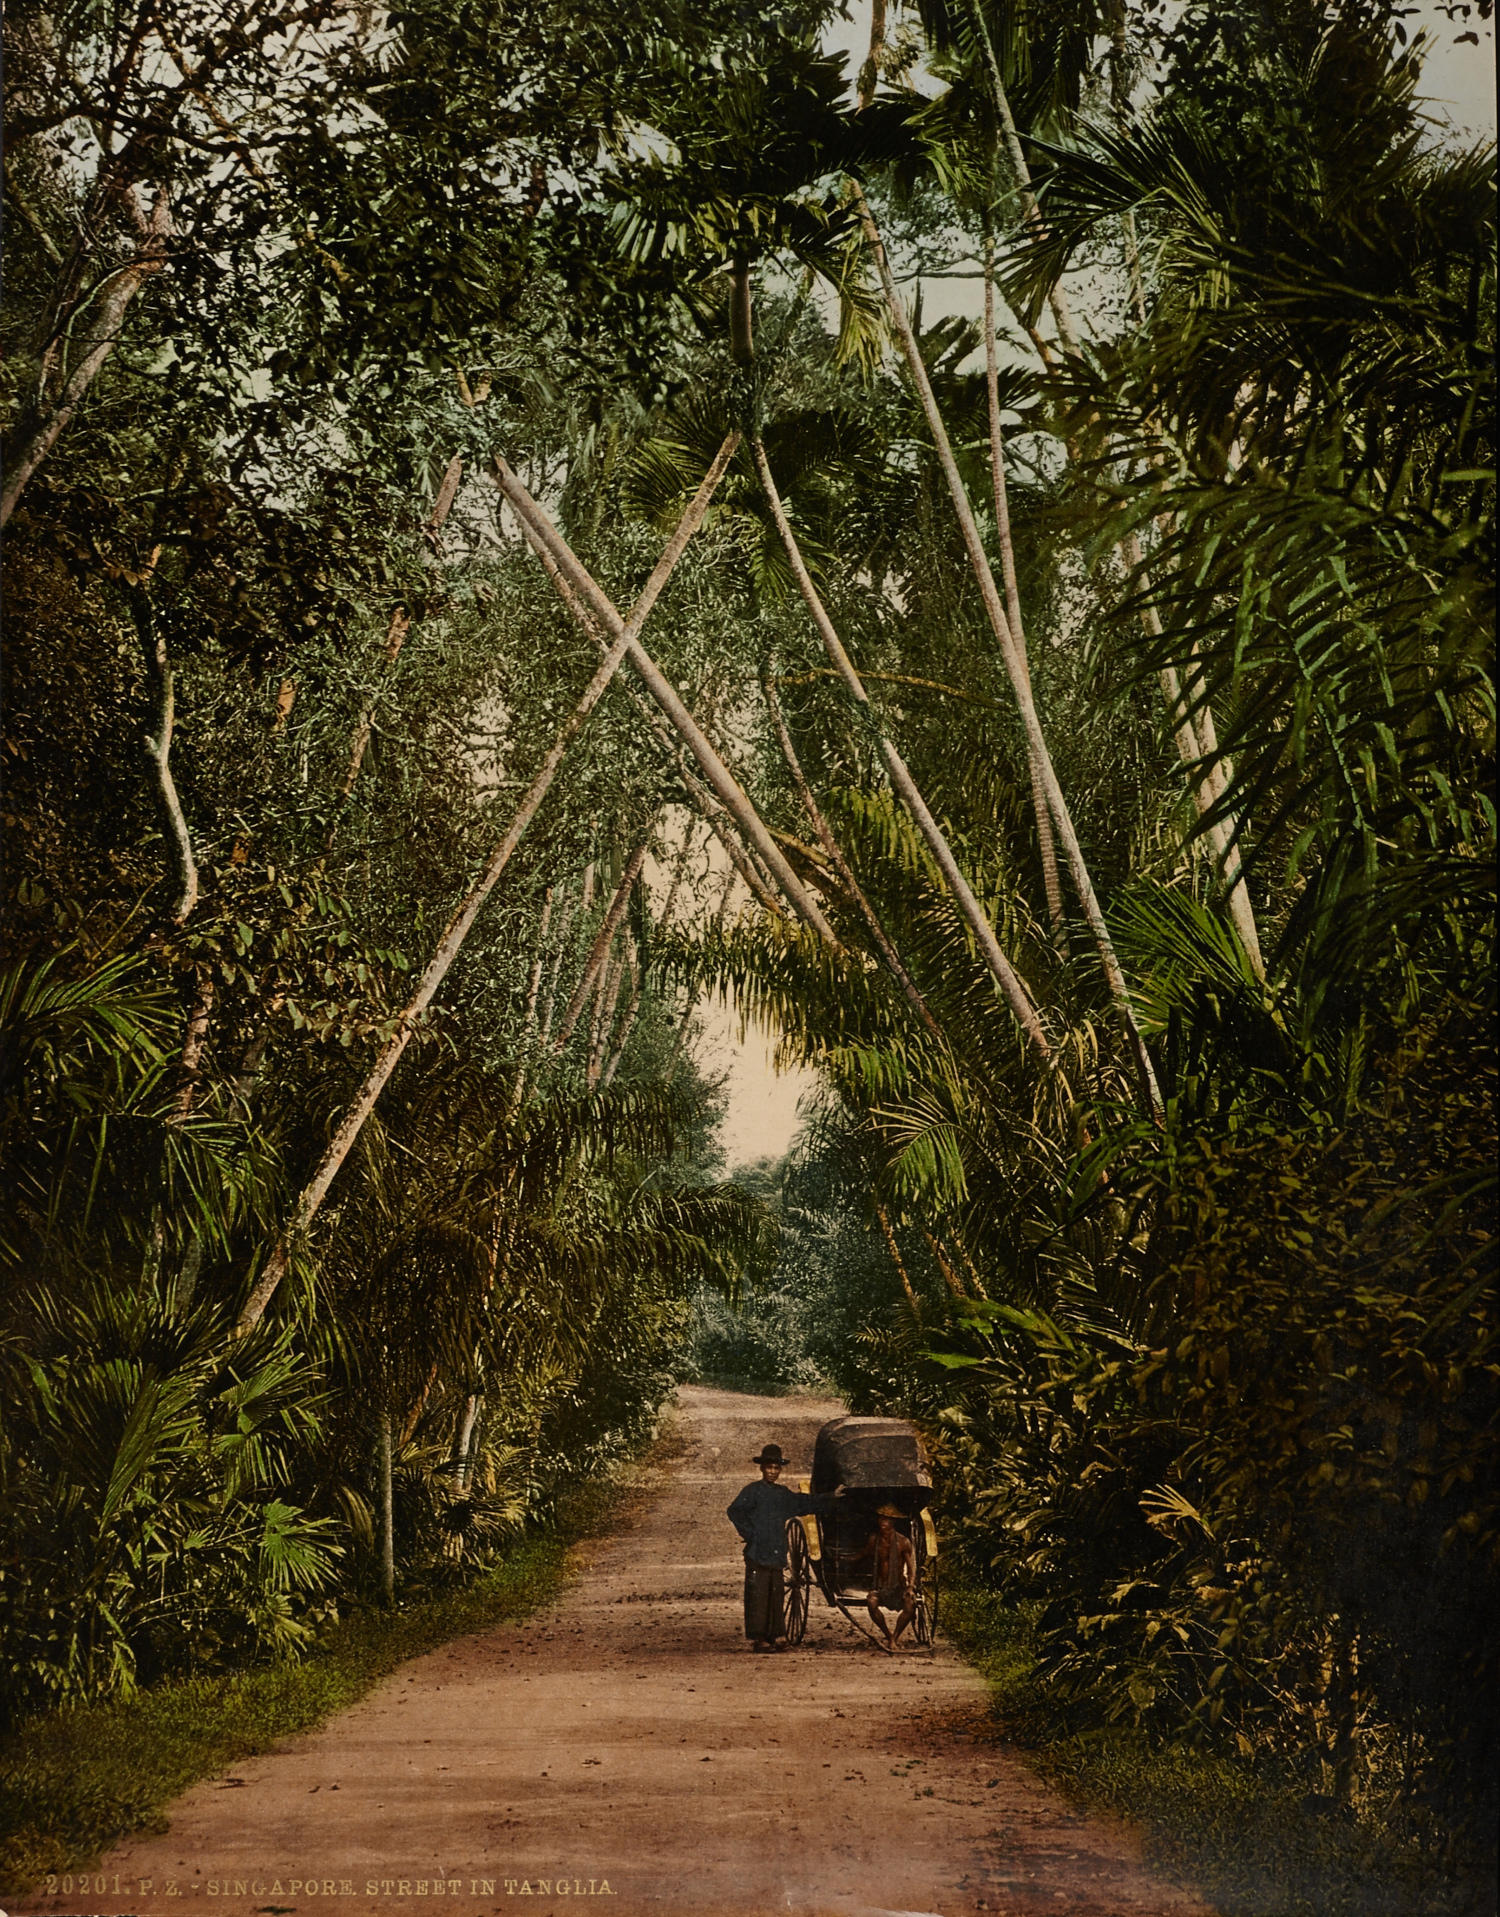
[770,1454]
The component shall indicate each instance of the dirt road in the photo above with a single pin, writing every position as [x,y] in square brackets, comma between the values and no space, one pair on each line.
[624,1746]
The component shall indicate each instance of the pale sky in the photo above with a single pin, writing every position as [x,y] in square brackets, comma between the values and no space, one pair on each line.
[762,1118]
[1459,80]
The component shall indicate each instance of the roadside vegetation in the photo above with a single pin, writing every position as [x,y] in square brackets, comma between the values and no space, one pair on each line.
[75,1781]
[506,533]
[1248,1834]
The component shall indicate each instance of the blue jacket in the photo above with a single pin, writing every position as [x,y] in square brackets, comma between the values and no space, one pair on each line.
[760,1513]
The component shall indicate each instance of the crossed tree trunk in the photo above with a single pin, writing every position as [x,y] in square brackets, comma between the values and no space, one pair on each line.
[1004,973]
[316,1189]
[1192,719]
[1020,679]
[726,788]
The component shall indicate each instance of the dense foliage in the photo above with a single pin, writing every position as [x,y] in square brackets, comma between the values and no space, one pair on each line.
[1088,772]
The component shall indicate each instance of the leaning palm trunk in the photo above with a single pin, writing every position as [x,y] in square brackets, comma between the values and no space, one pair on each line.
[756,881]
[599,951]
[1207,779]
[725,786]
[457,928]
[1051,877]
[1020,683]
[896,1259]
[1001,969]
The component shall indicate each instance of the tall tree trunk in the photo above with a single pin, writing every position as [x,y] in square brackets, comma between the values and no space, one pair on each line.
[1004,974]
[1239,899]
[1051,878]
[599,951]
[465,1439]
[869,73]
[1020,684]
[894,1249]
[725,786]
[387,1511]
[190,1059]
[41,432]
[316,1190]
[741,305]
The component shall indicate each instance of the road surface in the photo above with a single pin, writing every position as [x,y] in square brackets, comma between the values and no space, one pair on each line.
[623,1752]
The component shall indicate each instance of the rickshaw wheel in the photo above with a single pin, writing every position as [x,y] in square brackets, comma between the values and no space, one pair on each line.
[924,1624]
[798,1582]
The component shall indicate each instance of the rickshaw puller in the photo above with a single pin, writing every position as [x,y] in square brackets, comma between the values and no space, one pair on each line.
[760,1515]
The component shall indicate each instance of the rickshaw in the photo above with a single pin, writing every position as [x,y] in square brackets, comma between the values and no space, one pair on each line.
[877,1461]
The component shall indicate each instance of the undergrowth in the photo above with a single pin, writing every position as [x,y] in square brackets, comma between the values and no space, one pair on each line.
[74,1782]
[1246,1834]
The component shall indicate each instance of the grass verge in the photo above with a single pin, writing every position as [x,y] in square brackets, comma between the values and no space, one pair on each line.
[1249,1839]
[73,1783]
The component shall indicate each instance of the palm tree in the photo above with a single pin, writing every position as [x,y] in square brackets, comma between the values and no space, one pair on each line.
[980,47]
[784,129]
[1307,378]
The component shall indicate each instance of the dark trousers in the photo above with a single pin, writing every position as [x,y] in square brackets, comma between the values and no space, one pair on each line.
[763,1601]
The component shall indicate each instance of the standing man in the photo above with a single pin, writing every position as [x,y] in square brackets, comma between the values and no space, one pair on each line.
[760,1514]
